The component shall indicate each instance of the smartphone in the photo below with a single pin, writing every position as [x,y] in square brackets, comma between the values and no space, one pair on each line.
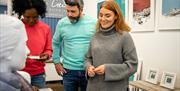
[33,57]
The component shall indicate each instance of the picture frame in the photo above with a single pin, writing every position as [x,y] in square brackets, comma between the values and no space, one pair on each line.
[123,5]
[141,17]
[166,16]
[168,80]
[3,7]
[152,75]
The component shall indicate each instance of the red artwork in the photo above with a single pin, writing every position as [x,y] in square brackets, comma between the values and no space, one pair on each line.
[139,5]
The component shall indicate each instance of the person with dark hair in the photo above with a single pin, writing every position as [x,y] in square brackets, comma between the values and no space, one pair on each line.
[39,38]
[111,58]
[73,34]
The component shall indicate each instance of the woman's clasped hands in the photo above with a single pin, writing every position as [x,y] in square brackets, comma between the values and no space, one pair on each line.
[92,71]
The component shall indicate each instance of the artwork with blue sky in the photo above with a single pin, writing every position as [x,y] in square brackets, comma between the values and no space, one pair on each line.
[171,7]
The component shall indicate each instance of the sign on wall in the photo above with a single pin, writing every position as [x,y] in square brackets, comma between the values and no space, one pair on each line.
[55,8]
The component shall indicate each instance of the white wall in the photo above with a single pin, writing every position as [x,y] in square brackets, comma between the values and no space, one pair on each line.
[159,49]
[90,7]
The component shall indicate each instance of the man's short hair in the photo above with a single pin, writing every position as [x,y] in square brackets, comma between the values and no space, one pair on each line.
[78,3]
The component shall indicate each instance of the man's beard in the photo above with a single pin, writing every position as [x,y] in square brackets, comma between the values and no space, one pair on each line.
[74,20]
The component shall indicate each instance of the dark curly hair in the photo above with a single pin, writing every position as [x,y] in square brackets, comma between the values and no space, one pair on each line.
[19,6]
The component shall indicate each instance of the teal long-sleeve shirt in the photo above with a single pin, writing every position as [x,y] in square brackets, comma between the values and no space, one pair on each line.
[73,39]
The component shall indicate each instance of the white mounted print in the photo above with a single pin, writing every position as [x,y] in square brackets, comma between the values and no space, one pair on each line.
[152,76]
[168,12]
[141,15]
[168,80]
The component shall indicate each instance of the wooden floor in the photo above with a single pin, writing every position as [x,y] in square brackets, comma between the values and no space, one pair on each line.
[55,85]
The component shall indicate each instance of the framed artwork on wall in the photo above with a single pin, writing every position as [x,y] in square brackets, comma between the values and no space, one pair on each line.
[168,14]
[168,80]
[152,76]
[3,7]
[99,2]
[123,4]
[141,15]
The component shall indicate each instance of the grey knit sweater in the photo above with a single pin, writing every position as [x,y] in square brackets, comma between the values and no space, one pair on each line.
[118,53]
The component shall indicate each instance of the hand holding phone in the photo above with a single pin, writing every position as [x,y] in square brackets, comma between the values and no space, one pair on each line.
[43,57]
[33,57]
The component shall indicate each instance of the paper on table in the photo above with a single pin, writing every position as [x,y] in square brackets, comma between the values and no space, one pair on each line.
[34,57]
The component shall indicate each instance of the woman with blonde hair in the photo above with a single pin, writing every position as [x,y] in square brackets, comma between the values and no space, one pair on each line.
[111,58]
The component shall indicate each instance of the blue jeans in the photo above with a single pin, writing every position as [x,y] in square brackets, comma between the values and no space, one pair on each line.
[74,79]
[38,80]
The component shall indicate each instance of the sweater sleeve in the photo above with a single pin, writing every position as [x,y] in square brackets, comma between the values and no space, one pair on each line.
[114,72]
[57,39]
[88,59]
[48,46]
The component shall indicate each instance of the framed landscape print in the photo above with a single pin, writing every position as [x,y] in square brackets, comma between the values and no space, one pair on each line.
[141,15]
[168,12]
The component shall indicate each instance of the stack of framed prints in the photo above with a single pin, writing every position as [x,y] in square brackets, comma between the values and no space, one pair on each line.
[167,79]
